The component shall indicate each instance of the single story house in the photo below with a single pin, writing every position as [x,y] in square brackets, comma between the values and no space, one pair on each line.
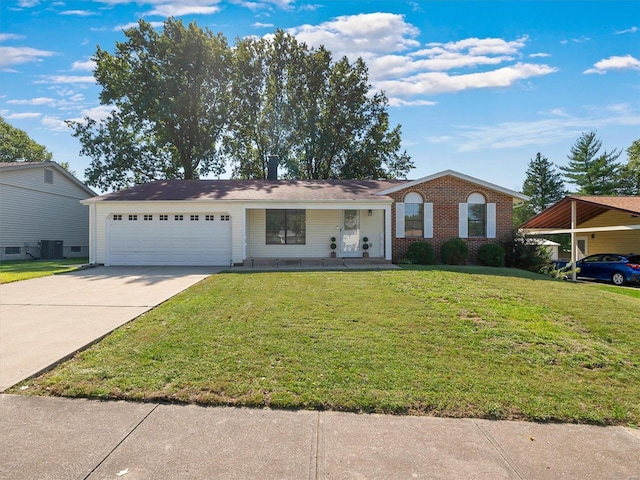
[231,222]
[40,212]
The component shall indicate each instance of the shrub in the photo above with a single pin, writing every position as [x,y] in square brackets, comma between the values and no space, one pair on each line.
[526,255]
[454,251]
[421,253]
[491,255]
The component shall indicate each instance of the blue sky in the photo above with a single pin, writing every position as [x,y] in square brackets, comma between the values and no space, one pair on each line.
[478,87]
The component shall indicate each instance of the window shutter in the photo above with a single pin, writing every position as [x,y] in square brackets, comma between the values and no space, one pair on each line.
[399,220]
[428,220]
[463,220]
[491,220]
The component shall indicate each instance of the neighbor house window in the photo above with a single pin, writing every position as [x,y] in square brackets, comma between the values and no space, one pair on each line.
[76,249]
[48,175]
[195,218]
[164,218]
[477,215]
[133,217]
[224,218]
[117,216]
[12,250]
[178,218]
[286,227]
[148,217]
[209,218]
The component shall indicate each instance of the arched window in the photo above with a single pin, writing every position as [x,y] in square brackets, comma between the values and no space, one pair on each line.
[477,215]
[413,215]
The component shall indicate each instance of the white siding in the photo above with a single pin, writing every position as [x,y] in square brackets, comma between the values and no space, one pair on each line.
[321,226]
[32,210]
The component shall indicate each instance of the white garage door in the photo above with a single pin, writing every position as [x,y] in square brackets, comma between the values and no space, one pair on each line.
[169,239]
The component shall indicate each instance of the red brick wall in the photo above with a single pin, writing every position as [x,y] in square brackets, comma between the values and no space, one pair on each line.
[446,193]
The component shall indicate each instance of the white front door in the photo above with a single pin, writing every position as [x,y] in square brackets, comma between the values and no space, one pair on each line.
[350,233]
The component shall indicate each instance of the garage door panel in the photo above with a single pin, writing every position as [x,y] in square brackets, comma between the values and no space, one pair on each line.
[169,242]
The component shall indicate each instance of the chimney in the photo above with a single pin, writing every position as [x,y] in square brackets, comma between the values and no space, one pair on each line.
[272,168]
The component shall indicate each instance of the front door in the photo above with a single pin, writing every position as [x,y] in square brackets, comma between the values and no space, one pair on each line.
[582,248]
[350,233]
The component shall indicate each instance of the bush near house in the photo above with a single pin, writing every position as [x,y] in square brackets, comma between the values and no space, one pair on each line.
[454,251]
[526,255]
[491,255]
[421,253]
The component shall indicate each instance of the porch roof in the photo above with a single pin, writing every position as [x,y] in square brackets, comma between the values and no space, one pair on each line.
[253,190]
[558,216]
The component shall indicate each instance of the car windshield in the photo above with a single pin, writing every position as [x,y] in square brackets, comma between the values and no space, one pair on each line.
[634,259]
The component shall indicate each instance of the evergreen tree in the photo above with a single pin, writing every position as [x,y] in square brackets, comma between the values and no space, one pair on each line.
[629,182]
[594,173]
[543,185]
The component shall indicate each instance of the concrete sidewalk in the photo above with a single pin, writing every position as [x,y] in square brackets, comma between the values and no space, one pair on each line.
[47,319]
[54,438]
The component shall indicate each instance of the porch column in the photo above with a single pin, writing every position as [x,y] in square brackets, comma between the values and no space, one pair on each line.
[388,239]
[574,246]
[93,244]
[243,227]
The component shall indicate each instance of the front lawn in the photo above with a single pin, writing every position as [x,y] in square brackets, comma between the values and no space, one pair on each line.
[460,341]
[16,270]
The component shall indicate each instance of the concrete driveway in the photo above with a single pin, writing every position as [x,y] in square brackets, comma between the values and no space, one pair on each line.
[47,319]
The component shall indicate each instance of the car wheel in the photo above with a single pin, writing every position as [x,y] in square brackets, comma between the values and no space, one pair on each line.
[617,278]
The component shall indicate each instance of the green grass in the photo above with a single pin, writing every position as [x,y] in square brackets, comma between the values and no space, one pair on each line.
[458,341]
[16,270]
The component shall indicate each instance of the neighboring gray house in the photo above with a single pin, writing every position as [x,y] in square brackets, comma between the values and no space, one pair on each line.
[40,201]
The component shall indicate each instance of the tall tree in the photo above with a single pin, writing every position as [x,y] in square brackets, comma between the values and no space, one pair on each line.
[594,173]
[544,186]
[629,181]
[169,96]
[17,146]
[315,114]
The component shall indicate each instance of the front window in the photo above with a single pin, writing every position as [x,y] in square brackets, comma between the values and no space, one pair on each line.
[477,215]
[286,227]
[413,219]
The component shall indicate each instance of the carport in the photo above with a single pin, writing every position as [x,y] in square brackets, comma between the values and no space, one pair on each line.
[595,223]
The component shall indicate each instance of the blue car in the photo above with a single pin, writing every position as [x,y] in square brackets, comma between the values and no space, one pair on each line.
[610,267]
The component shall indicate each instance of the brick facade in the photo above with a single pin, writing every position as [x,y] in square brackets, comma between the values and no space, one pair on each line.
[446,193]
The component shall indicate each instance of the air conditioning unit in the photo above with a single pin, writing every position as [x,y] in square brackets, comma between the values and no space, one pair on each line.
[51,249]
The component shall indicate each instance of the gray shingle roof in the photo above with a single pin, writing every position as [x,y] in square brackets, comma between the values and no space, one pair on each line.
[254,190]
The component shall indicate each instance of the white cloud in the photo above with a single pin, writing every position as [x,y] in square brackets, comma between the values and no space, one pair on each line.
[10,36]
[87,65]
[54,123]
[28,3]
[614,63]
[263,25]
[433,83]
[22,116]
[534,133]
[539,55]
[479,46]
[79,13]
[360,35]
[66,79]
[628,30]
[18,55]
[177,10]
[34,101]
[398,102]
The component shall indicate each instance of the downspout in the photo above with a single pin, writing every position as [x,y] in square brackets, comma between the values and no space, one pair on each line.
[574,246]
